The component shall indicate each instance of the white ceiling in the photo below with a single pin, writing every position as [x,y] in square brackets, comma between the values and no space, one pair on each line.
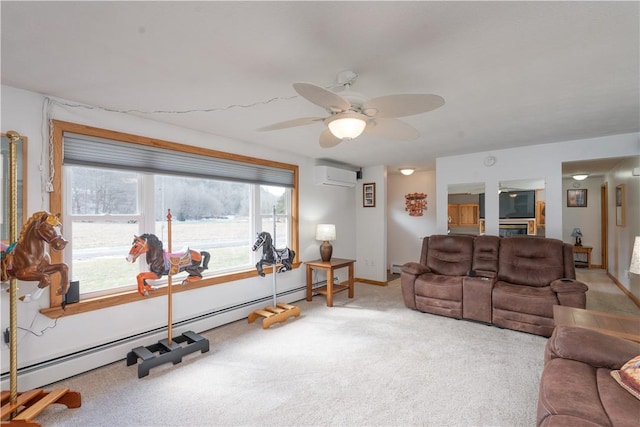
[512,73]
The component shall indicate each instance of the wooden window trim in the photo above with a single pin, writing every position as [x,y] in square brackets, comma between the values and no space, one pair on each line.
[56,205]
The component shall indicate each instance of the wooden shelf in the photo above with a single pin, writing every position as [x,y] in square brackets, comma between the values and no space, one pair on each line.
[336,288]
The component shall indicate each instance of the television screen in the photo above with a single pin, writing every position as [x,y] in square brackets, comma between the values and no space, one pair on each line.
[517,204]
[513,204]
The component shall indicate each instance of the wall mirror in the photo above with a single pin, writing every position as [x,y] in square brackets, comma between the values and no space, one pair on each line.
[465,214]
[5,164]
[522,207]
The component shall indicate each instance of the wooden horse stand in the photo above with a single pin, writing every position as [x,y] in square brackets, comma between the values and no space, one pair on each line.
[169,350]
[30,403]
[278,312]
[19,409]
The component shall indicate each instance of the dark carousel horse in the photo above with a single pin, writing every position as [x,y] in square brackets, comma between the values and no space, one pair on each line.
[270,255]
[162,263]
[28,260]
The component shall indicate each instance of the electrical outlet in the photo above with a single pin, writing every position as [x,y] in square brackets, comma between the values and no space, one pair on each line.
[6,336]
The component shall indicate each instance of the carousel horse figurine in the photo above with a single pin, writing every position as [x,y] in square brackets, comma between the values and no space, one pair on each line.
[27,258]
[162,263]
[272,256]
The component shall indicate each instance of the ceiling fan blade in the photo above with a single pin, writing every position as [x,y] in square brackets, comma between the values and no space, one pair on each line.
[392,129]
[322,97]
[328,140]
[291,123]
[390,106]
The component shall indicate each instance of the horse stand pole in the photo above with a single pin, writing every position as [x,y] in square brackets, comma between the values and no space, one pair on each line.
[169,283]
[277,312]
[169,350]
[34,401]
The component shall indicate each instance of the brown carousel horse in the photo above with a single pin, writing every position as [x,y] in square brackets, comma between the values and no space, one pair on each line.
[163,263]
[28,260]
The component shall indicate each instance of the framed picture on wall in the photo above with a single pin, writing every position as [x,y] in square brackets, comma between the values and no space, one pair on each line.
[577,198]
[369,195]
[620,216]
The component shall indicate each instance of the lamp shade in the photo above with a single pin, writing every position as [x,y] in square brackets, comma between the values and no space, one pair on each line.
[347,125]
[326,232]
[576,233]
[635,257]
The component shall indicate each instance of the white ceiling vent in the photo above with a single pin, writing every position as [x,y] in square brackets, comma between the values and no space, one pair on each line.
[327,175]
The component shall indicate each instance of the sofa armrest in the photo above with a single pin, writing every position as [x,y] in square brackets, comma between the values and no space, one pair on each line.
[570,292]
[568,285]
[415,268]
[592,347]
[408,275]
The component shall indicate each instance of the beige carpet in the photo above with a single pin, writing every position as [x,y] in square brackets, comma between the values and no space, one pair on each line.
[365,362]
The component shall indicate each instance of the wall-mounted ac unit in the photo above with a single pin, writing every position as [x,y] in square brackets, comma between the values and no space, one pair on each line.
[328,175]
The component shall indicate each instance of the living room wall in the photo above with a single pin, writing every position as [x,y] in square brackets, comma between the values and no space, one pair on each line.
[404,232]
[49,350]
[545,161]
[542,161]
[621,238]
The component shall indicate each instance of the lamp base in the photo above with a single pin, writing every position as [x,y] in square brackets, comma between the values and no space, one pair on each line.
[578,242]
[326,250]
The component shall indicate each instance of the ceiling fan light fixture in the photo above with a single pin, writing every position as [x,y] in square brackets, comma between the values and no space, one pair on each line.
[407,171]
[347,126]
[580,177]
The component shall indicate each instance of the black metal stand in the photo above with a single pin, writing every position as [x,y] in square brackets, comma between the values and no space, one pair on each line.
[168,352]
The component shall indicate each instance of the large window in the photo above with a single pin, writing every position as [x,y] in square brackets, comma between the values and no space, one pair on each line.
[218,202]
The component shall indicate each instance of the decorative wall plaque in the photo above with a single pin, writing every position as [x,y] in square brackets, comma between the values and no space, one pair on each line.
[416,203]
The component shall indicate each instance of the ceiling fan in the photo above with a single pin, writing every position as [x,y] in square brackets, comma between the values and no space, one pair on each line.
[351,113]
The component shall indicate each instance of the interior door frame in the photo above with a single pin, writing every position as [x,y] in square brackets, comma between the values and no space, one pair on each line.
[604,225]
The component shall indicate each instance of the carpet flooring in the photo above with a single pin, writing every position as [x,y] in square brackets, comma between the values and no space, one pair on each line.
[368,361]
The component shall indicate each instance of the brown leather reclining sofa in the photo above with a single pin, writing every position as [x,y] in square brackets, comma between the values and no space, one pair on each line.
[576,386]
[511,282]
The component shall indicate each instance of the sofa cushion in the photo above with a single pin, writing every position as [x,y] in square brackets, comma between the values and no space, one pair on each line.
[450,255]
[530,260]
[568,387]
[485,253]
[440,287]
[538,301]
[629,376]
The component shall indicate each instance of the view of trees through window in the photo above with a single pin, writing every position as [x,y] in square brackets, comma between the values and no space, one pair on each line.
[109,206]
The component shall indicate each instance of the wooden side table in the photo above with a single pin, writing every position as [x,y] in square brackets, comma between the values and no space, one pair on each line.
[582,250]
[330,288]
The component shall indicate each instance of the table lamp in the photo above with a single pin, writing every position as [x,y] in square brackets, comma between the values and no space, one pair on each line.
[578,235]
[635,257]
[326,233]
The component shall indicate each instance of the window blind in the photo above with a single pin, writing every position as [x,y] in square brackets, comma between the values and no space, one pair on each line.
[99,152]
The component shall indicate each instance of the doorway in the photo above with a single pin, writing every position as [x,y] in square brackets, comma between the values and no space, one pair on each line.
[604,225]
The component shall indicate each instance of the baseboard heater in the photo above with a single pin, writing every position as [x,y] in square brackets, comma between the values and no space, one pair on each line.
[136,337]
[396,268]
